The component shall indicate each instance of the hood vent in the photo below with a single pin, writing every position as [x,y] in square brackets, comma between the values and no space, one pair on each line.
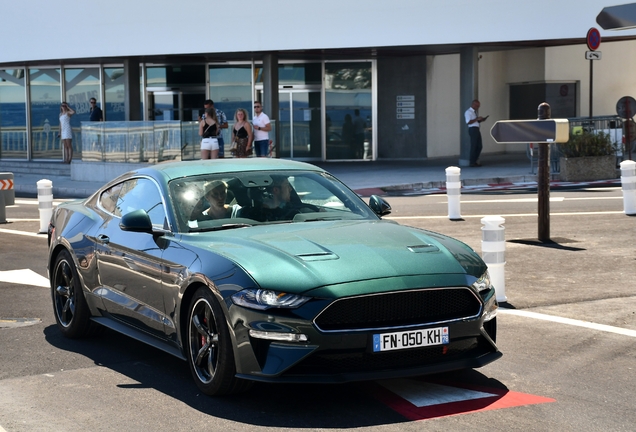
[318,256]
[422,248]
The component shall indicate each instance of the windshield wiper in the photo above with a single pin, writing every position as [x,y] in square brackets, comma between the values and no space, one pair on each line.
[221,227]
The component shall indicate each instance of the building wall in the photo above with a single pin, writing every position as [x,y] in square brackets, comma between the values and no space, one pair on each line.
[613,75]
[443,100]
[398,77]
[496,71]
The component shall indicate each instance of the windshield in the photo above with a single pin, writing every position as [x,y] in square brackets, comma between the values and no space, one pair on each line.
[240,200]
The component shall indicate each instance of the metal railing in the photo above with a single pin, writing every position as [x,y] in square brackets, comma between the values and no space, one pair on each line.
[145,141]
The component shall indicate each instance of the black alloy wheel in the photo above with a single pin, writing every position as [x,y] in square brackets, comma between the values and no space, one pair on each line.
[71,311]
[210,353]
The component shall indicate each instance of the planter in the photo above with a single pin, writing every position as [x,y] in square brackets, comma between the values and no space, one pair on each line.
[588,168]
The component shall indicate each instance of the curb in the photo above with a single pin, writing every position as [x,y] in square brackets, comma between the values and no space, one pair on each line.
[520,182]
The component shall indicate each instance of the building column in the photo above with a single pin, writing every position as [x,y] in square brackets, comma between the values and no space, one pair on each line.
[270,90]
[468,91]
[132,89]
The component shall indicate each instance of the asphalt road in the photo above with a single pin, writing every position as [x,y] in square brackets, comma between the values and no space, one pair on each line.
[567,331]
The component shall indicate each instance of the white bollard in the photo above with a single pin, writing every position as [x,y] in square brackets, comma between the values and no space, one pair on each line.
[628,182]
[453,192]
[45,203]
[493,251]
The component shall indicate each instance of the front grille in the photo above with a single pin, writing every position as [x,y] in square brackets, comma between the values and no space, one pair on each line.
[399,309]
[325,363]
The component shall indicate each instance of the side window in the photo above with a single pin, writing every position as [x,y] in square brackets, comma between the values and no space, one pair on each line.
[141,194]
[108,198]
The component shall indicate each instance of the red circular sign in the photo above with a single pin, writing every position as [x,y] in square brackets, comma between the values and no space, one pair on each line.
[593,39]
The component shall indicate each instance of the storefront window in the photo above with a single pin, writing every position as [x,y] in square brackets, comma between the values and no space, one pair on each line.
[81,85]
[13,132]
[294,74]
[115,98]
[45,113]
[348,102]
[231,88]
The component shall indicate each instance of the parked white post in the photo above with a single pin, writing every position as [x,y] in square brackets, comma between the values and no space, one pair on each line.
[628,182]
[453,192]
[493,251]
[45,203]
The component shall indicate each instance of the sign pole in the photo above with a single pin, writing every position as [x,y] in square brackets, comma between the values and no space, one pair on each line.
[591,84]
[543,180]
[628,138]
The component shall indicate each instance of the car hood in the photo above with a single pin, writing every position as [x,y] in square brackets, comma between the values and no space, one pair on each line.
[302,256]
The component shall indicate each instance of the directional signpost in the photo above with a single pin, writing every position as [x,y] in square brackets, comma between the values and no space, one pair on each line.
[543,131]
[620,17]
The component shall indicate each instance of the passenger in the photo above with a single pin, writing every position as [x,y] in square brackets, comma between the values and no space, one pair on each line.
[215,195]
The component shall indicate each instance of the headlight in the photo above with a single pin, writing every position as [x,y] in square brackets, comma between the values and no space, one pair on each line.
[265,299]
[483,283]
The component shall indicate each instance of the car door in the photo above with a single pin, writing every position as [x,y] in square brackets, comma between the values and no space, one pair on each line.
[129,263]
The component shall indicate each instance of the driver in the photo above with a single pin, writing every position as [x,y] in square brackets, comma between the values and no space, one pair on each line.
[277,204]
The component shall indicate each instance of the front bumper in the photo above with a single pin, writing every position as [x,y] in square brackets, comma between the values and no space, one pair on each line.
[342,356]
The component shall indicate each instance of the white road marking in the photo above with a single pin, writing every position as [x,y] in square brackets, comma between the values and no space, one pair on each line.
[25,277]
[569,321]
[422,394]
[35,201]
[24,233]
[507,215]
[535,199]
[23,220]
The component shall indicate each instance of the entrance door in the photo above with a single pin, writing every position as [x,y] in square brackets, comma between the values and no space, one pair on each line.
[175,105]
[300,124]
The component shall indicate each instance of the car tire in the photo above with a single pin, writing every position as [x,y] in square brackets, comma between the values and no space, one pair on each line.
[209,347]
[69,305]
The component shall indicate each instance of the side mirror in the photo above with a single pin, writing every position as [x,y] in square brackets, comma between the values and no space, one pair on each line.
[379,206]
[136,221]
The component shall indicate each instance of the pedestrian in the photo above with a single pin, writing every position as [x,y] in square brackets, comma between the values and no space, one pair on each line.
[347,134]
[262,126]
[222,122]
[473,121]
[242,134]
[66,132]
[208,131]
[359,125]
[96,112]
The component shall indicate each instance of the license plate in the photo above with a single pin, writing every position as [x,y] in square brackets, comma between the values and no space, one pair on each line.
[410,339]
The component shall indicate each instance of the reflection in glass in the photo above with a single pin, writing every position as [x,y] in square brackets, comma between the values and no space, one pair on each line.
[114,104]
[348,102]
[231,88]
[81,86]
[13,138]
[45,113]
[295,74]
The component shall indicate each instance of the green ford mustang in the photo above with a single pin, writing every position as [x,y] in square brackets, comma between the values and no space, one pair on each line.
[267,270]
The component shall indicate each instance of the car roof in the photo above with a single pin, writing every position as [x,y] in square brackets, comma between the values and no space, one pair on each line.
[172,170]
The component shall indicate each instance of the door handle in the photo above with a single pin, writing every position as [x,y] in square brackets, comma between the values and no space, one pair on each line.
[103,238]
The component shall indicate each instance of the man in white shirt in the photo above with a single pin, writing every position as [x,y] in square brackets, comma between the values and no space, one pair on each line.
[262,126]
[473,121]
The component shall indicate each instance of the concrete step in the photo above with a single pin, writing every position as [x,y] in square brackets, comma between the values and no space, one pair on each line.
[31,167]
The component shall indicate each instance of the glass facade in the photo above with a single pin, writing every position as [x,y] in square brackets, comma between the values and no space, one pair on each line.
[46,92]
[231,88]
[348,110]
[13,126]
[114,106]
[315,121]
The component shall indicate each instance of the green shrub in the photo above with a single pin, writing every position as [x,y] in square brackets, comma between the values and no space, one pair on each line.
[588,144]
